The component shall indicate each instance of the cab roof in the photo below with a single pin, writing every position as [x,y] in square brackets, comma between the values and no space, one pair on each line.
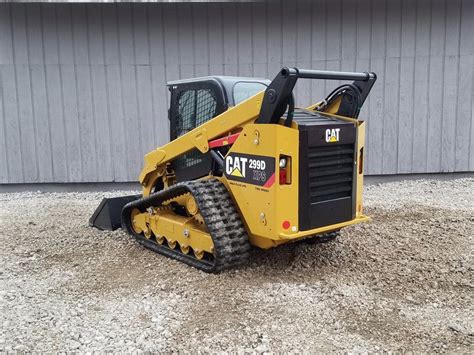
[226,82]
[223,79]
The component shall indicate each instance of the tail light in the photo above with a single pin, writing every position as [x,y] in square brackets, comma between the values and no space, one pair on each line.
[285,170]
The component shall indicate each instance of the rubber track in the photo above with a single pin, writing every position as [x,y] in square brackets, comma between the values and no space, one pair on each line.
[231,244]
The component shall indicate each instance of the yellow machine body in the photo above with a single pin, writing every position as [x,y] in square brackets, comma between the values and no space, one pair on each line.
[263,209]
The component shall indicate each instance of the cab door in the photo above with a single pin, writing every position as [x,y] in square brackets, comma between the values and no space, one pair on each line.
[193,104]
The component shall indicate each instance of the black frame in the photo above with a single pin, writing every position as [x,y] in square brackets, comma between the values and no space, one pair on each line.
[279,93]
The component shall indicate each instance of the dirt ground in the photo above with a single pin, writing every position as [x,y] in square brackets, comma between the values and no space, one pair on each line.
[404,281]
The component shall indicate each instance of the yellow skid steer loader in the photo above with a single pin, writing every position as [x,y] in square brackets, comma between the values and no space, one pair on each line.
[245,167]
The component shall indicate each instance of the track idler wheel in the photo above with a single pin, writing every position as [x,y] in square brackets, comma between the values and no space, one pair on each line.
[160,239]
[199,254]
[135,227]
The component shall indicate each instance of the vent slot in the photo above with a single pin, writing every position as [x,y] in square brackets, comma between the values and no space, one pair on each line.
[330,172]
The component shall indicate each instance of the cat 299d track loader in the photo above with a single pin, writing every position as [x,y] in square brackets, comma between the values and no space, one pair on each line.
[245,167]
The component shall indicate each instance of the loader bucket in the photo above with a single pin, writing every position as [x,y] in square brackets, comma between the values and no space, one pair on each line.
[107,215]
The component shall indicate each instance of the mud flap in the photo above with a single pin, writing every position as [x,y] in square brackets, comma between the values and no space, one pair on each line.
[107,215]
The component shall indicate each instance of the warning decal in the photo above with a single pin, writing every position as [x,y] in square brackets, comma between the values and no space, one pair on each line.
[252,169]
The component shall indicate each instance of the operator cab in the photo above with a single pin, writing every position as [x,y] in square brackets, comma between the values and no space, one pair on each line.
[196,101]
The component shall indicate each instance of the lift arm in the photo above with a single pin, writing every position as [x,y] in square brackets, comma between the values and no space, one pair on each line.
[199,137]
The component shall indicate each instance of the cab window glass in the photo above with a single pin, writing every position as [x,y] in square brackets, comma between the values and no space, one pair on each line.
[194,108]
[206,106]
[186,112]
[244,90]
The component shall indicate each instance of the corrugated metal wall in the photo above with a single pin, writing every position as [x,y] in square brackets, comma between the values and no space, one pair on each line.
[82,87]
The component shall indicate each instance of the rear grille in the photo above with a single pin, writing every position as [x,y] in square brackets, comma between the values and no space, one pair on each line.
[330,170]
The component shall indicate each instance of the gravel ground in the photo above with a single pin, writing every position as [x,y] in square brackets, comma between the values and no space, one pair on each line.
[401,282]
